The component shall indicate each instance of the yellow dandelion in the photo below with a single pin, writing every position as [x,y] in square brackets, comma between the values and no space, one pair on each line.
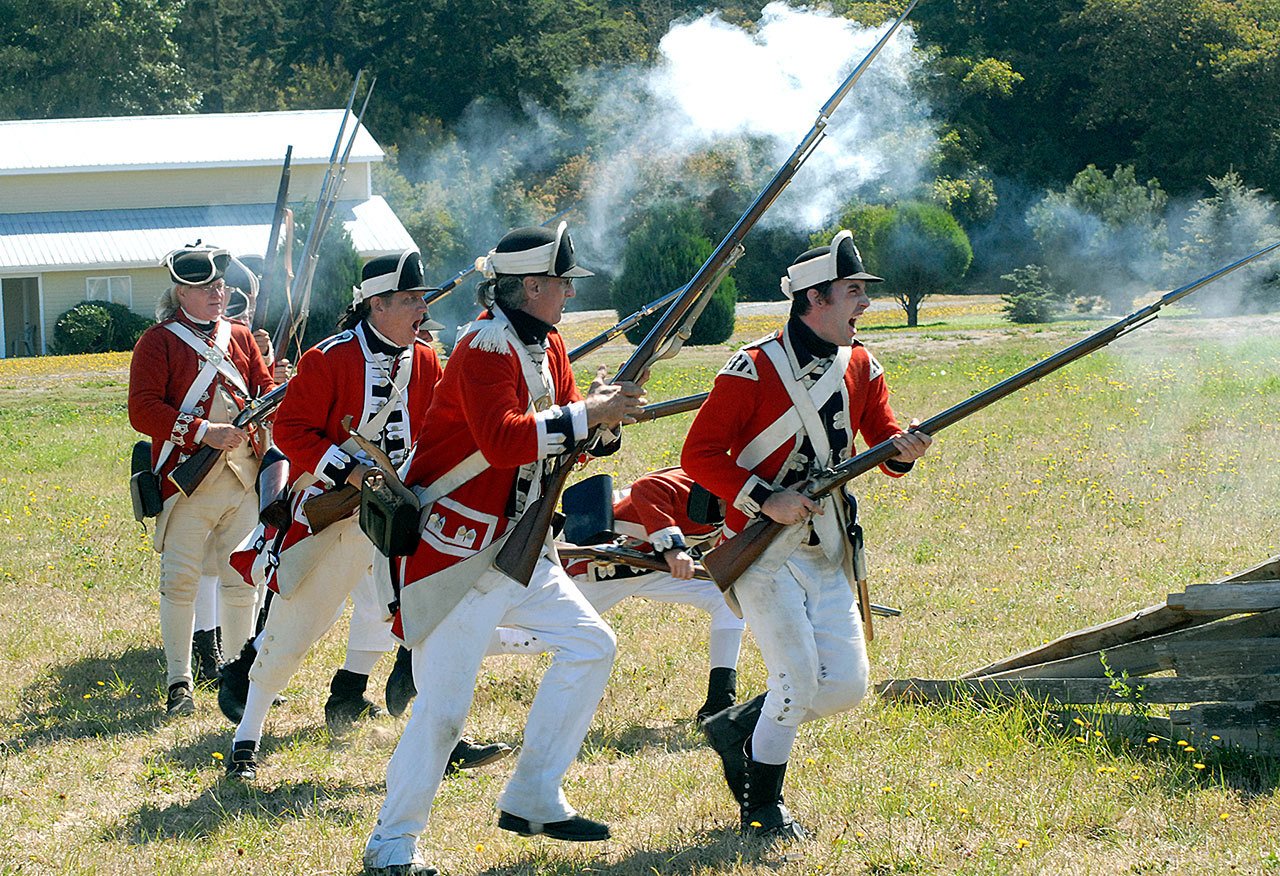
[479,848]
[1198,766]
[755,824]
[887,789]
[217,755]
[1189,748]
[102,684]
[810,761]
[1223,816]
[1152,740]
[88,696]
[1216,738]
[933,784]
[1183,742]
[1023,843]
[860,835]
[962,810]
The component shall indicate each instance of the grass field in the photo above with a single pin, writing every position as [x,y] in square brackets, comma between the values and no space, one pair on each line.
[1147,467]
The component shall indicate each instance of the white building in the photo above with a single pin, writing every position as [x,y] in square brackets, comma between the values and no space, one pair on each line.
[89,207]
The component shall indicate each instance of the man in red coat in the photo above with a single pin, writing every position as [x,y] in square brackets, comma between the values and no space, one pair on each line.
[377,373]
[507,406]
[189,376]
[780,409]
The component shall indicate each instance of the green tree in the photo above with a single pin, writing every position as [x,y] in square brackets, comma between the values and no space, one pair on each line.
[65,58]
[1227,225]
[920,251]
[663,252]
[1102,235]
[1033,298]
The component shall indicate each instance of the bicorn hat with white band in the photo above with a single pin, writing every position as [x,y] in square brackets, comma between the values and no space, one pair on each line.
[401,272]
[533,250]
[838,261]
[196,265]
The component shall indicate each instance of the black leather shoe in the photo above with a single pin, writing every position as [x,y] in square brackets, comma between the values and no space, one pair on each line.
[233,690]
[402,870]
[180,701]
[574,830]
[243,764]
[468,755]
[400,687]
[347,702]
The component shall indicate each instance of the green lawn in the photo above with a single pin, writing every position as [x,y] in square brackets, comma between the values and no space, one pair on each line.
[1142,469]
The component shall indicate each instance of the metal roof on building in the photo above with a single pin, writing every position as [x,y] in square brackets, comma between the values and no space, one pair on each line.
[177,141]
[94,239]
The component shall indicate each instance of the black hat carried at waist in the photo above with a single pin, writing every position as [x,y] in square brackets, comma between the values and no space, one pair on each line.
[399,272]
[838,261]
[196,265]
[533,249]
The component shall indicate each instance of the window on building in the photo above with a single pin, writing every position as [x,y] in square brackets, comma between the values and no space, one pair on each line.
[117,290]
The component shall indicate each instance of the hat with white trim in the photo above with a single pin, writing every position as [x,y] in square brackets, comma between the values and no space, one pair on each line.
[838,261]
[400,272]
[533,250]
[196,265]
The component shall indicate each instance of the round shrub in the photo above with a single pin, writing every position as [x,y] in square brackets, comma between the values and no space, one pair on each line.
[97,327]
[662,254]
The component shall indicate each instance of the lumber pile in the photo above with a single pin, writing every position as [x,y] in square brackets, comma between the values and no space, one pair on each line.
[1220,641]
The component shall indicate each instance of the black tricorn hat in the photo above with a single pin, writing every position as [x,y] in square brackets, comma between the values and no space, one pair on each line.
[840,260]
[399,272]
[533,249]
[196,265]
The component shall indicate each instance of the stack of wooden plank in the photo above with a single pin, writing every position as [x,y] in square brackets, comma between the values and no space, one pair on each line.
[1220,641]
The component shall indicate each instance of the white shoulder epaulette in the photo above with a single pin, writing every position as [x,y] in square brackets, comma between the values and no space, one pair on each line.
[876,368]
[491,335]
[741,365]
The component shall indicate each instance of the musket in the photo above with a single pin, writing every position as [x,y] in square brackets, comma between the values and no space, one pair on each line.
[728,561]
[195,468]
[661,409]
[618,555]
[519,554]
[272,254]
[440,291]
[653,307]
[293,327]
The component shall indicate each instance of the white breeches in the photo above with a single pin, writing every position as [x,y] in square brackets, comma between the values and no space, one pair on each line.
[445,667]
[604,594]
[806,623]
[314,604]
[214,519]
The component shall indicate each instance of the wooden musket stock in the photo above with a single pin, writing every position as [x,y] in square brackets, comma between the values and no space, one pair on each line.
[189,474]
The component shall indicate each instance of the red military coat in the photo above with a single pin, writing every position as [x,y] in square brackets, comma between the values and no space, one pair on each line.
[161,372]
[338,378]
[483,406]
[747,398]
[654,511]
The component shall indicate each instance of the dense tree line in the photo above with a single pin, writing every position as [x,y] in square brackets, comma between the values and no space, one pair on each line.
[1156,102]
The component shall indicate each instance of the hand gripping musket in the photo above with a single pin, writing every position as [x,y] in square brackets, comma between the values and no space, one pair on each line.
[618,555]
[293,326]
[192,471]
[272,254]
[333,505]
[519,555]
[728,561]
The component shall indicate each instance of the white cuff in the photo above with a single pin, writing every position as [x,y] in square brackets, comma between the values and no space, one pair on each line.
[204,427]
[748,503]
[665,539]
